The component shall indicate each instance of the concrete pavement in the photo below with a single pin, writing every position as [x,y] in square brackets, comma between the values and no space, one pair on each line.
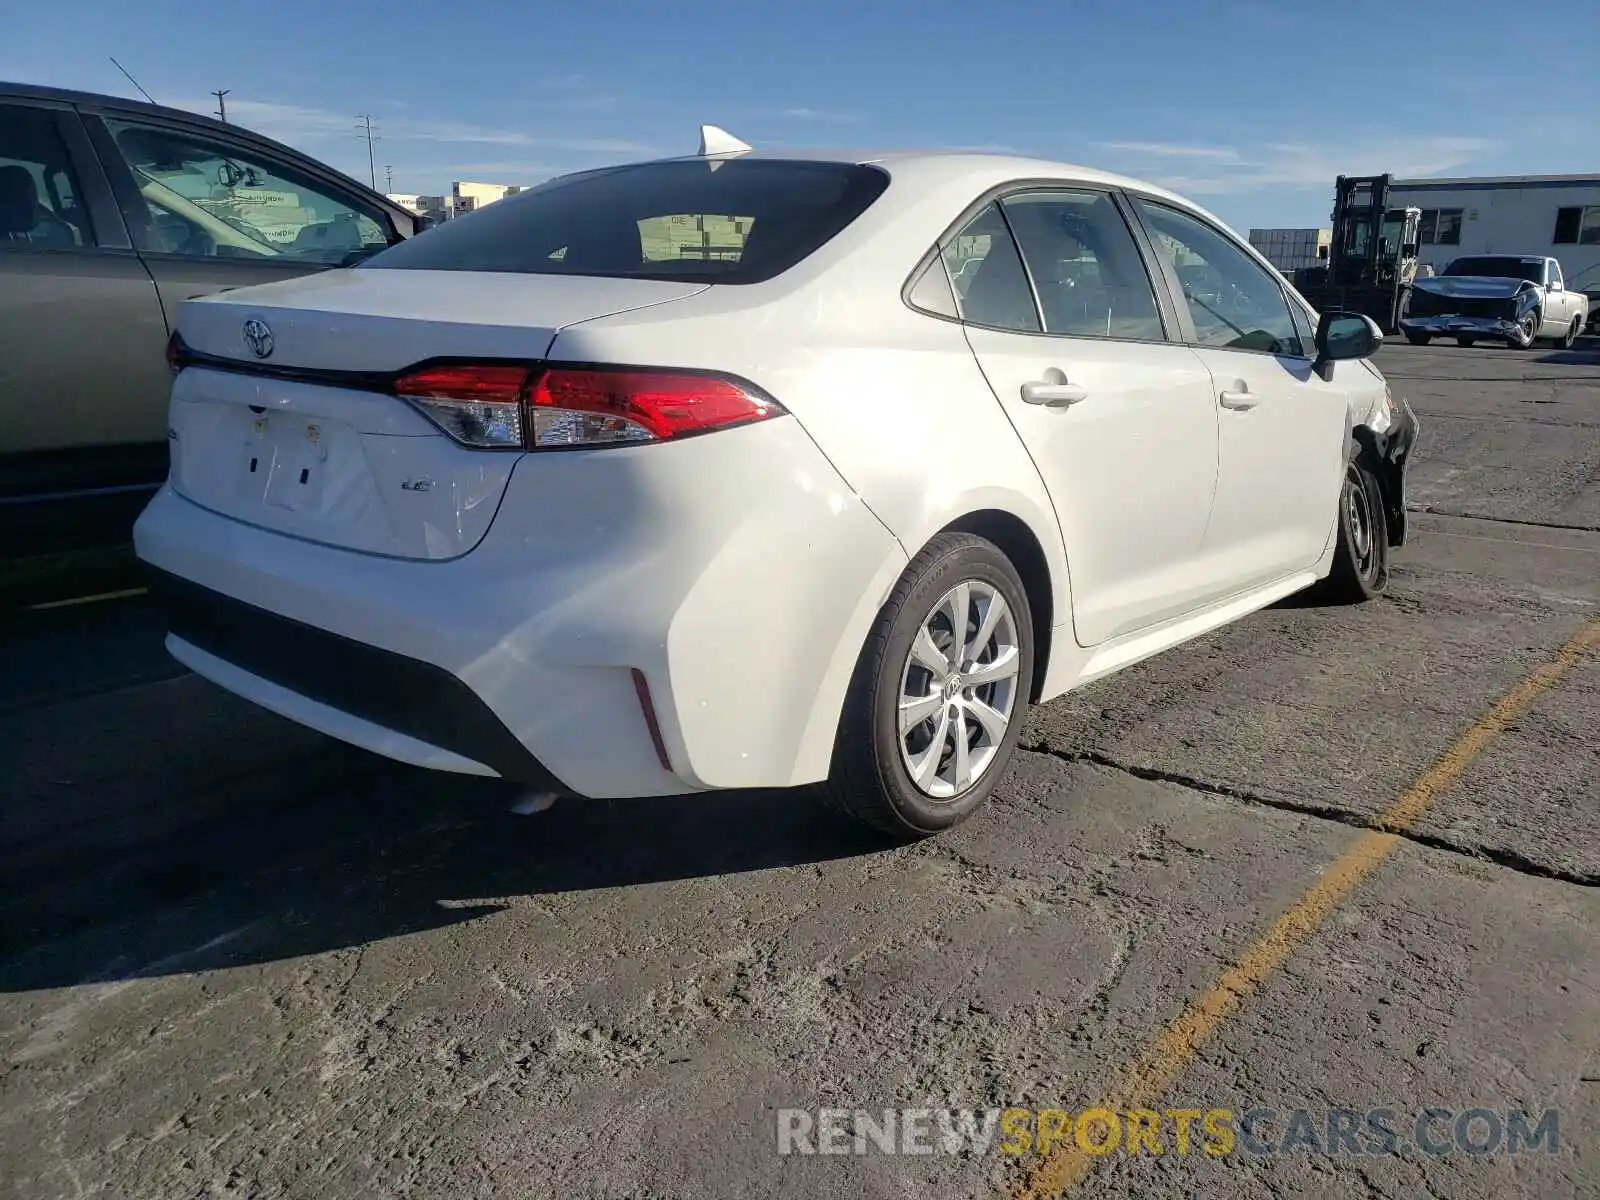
[242,960]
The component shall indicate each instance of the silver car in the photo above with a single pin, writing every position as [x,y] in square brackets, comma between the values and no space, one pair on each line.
[112,213]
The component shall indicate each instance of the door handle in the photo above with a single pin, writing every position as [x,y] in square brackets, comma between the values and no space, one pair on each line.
[1240,399]
[1053,391]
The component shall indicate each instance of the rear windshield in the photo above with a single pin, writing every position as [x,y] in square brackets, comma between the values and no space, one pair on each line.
[1499,268]
[719,221]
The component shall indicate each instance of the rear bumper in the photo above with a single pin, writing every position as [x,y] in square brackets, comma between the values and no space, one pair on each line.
[735,572]
[388,691]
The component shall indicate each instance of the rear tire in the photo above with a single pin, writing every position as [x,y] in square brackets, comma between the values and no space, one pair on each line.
[1572,334]
[1467,342]
[1361,559]
[1419,339]
[909,782]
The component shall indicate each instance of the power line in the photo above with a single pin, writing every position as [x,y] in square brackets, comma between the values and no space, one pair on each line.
[388,177]
[132,80]
[222,109]
[372,163]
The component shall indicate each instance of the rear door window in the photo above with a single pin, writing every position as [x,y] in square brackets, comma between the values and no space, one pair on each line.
[987,275]
[1084,264]
[724,221]
[39,204]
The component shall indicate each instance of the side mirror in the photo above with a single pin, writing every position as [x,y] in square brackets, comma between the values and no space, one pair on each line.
[1342,335]
[1557,286]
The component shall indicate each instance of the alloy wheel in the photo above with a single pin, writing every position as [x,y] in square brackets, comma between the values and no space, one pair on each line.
[958,690]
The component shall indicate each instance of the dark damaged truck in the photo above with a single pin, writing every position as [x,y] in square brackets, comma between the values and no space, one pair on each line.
[1518,299]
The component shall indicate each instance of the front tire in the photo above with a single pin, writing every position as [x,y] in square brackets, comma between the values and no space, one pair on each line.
[940,692]
[1528,329]
[1419,339]
[1467,342]
[1361,559]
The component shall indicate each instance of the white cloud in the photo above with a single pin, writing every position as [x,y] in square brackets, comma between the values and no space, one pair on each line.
[1171,150]
[429,152]
[981,148]
[802,113]
[517,171]
[1223,170]
[295,124]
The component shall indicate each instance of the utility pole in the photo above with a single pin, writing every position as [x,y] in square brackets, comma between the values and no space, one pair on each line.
[222,109]
[365,128]
[388,177]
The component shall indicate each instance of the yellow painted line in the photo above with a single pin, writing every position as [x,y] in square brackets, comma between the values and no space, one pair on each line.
[1170,1054]
[94,599]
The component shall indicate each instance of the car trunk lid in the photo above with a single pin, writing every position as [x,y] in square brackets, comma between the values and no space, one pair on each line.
[306,439]
[371,320]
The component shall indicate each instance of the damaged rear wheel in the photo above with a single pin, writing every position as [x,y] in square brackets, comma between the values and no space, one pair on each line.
[1361,559]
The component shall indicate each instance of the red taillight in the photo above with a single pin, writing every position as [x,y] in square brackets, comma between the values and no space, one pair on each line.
[515,407]
[578,406]
[483,384]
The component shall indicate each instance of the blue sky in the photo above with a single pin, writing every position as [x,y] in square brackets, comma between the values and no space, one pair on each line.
[1250,107]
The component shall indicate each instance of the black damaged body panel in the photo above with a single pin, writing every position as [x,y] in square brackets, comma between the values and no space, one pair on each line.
[1473,307]
[1387,454]
[1426,302]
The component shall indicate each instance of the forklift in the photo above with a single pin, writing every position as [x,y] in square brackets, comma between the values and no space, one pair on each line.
[1372,256]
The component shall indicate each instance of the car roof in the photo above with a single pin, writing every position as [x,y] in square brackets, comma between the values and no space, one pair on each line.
[35,91]
[980,168]
[10,90]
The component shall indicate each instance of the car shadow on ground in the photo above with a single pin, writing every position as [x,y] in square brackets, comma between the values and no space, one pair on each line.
[1584,354]
[368,850]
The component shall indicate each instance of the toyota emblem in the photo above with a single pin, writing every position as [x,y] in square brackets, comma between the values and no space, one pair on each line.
[258,337]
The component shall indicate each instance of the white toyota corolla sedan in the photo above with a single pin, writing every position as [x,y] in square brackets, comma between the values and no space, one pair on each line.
[758,470]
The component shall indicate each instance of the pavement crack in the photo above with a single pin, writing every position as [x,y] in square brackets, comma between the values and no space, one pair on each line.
[342,996]
[1436,510]
[1500,857]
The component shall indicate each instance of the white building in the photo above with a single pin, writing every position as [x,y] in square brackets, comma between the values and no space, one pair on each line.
[469,196]
[1291,249]
[1558,215]
[462,198]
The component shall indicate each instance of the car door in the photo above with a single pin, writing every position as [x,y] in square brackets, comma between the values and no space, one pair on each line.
[1558,306]
[83,381]
[1283,429]
[208,212]
[1066,325]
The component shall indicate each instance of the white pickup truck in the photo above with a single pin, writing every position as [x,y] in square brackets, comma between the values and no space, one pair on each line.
[1518,299]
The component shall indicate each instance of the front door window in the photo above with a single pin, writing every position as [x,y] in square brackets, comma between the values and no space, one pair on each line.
[202,198]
